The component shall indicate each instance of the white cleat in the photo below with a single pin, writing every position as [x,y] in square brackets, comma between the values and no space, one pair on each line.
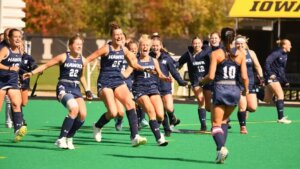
[138,140]
[61,143]
[284,120]
[97,133]
[162,141]
[70,144]
[221,155]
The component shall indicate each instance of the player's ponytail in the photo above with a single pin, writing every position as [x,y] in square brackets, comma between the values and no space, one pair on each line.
[227,36]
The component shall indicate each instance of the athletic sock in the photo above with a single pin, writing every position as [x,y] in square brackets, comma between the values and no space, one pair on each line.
[225,131]
[155,129]
[133,122]
[280,106]
[139,113]
[17,120]
[165,123]
[102,121]
[242,117]
[171,116]
[76,125]
[66,126]
[218,136]
[202,117]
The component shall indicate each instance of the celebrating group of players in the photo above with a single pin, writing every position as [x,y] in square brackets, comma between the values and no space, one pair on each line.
[135,76]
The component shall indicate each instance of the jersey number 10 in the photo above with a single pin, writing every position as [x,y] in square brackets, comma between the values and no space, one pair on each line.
[229,72]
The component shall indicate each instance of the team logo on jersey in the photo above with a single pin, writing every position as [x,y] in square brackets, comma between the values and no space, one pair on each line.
[164,62]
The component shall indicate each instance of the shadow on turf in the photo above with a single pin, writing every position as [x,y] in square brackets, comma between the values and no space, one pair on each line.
[163,158]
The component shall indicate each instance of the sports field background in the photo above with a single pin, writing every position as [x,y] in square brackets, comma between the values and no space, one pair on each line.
[268,144]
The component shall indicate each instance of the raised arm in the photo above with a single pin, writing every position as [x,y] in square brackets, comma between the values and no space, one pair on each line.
[132,60]
[54,61]
[98,53]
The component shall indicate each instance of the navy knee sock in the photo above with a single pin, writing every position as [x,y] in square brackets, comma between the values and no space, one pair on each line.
[102,121]
[218,137]
[165,123]
[66,126]
[133,122]
[76,125]
[171,116]
[202,117]
[225,131]
[280,106]
[17,120]
[155,129]
[242,117]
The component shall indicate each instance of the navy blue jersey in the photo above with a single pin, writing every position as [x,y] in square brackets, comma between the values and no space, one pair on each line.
[167,66]
[113,61]
[110,71]
[227,70]
[226,89]
[197,68]
[250,69]
[10,78]
[144,83]
[28,64]
[71,69]
[275,65]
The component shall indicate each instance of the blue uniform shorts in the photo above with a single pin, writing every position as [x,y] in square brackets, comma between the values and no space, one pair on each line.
[138,92]
[109,80]
[69,87]
[228,95]
[9,82]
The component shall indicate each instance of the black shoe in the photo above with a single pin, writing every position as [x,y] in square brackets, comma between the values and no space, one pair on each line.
[168,133]
[203,129]
[175,121]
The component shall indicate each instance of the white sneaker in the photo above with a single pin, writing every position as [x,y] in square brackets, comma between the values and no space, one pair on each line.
[162,141]
[70,143]
[61,143]
[97,133]
[173,129]
[138,140]
[284,120]
[221,155]
[144,123]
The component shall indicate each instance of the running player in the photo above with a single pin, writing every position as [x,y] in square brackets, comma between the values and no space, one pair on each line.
[111,84]
[142,122]
[224,69]
[276,78]
[71,74]
[197,60]
[8,108]
[166,64]
[11,58]
[145,88]
[249,102]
